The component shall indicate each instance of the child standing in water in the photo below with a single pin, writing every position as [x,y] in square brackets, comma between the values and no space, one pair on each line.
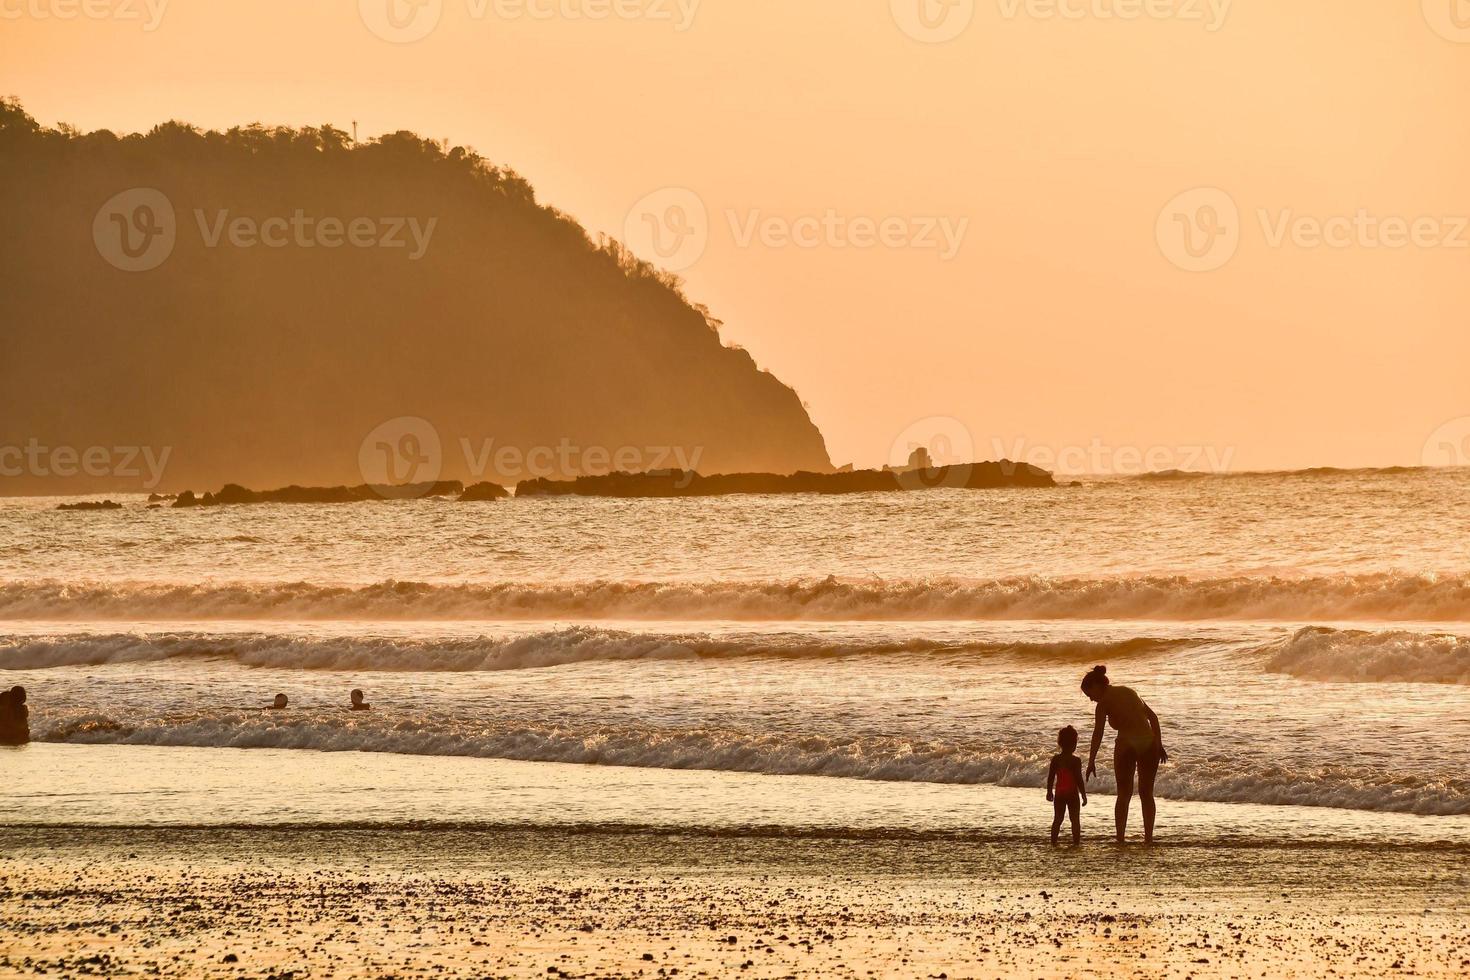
[1065,788]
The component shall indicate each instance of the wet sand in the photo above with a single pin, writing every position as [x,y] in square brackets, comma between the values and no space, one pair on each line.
[356,902]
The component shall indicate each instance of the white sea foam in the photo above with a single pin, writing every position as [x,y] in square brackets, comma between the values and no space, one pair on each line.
[548,648]
[1357,656]
[1381,596]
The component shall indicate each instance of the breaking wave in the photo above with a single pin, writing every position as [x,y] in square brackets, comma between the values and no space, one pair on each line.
[1356,656]
[872,757]
[543,649]
[1383,596]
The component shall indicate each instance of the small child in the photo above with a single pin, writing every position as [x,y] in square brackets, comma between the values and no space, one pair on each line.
[1065,787]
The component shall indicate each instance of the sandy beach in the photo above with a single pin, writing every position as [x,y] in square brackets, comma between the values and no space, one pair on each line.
[354,903]
[686,874]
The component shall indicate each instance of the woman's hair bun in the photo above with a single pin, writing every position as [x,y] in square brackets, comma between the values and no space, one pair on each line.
[1097,675]
[1100,670]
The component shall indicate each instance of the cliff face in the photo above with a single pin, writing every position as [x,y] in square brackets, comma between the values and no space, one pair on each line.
[271,306]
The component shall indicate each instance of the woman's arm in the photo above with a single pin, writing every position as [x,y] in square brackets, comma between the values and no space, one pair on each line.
[1100,719]
[1153,722]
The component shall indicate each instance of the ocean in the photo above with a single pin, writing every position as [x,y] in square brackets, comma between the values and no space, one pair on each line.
[1304,638]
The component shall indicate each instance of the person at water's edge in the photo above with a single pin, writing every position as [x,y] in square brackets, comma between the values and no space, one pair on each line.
[1138,749]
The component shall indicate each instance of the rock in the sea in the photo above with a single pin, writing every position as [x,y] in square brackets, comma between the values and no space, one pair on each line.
[234,494]
[685,483]
[482,492]
[91,505]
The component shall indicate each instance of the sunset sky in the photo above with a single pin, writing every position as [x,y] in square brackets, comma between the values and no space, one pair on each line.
[1062,309]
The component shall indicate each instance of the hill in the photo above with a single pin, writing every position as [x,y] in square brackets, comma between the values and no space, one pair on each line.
[275,306]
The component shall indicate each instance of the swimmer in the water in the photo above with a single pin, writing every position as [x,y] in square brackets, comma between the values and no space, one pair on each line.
[1065,786]
[278,703]
[358,704]
[1139,748]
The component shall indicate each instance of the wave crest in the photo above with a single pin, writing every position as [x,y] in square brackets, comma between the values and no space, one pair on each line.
[1384,596]
[1356,656]
[550,648]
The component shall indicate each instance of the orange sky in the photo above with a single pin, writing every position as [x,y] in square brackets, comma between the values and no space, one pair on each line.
[1050,133]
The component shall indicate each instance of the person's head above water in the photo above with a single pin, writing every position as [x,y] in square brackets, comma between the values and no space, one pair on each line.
[280,701]
[357,696]
[1095,683]
[1067,739]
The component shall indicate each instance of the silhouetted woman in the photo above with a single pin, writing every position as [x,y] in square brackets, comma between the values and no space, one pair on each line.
[1139,747]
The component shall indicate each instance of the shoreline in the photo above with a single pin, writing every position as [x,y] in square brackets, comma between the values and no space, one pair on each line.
[146,787]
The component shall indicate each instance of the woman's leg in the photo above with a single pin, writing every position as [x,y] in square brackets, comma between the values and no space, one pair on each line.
[1148,768]
[1124,762]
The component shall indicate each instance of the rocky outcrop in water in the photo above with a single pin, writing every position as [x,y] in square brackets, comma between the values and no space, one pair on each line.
[683,483]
